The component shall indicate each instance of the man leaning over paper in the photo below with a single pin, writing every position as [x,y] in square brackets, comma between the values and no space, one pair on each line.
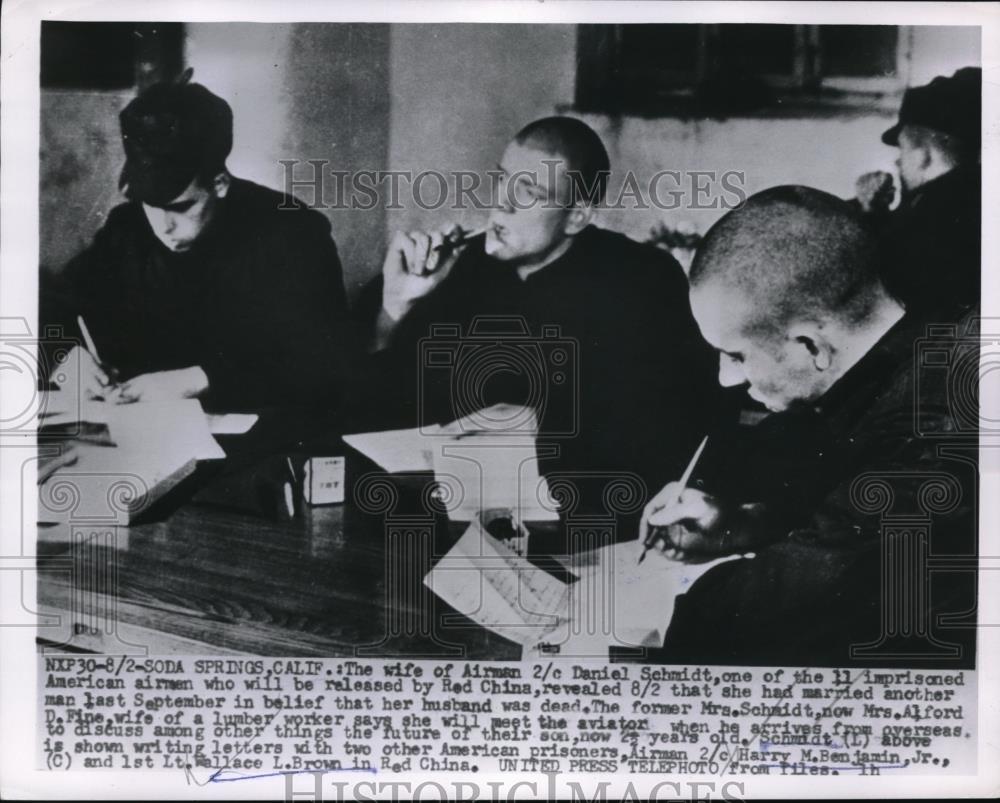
[201,285]
[786,290]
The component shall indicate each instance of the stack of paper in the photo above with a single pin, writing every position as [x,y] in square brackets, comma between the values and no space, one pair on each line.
[152,447]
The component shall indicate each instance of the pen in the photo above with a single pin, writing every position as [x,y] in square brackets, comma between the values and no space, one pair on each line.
[460,240]
[289,493]
[685,478]
[88,341]
[91,346]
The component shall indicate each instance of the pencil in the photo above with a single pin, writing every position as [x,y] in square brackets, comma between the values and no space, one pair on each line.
[461,240]
[685,479]
[88,341]
[110,372]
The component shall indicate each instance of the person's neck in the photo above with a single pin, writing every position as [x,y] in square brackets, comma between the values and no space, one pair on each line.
[858,342]
[525,270]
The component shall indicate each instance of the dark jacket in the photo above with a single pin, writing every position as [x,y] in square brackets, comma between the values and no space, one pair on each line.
[258,302]
[856,496]
[932,245]
[601,341]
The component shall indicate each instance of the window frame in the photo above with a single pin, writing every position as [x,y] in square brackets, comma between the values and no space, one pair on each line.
[604,86]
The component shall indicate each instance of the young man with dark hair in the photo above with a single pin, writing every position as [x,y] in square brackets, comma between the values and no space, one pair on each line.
[637,380]
[203,285]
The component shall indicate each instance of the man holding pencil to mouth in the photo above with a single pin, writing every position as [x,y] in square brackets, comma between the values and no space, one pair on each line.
[641,386]
[786,290]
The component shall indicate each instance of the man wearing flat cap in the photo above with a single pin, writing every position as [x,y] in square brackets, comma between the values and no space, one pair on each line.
[203,285]
[932,240]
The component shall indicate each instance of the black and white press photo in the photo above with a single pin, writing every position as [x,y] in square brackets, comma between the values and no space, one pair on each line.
[505,400]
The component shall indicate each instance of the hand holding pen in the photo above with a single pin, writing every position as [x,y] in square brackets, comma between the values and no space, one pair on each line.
[683,523]
[82,368]
[101,381]
[416,263]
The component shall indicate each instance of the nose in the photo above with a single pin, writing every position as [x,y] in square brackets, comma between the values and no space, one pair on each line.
[169,224]
[504,201]
[730,373]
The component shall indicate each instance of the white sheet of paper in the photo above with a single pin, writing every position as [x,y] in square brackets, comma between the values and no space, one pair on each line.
[396,450]
[486,471]
[506,419]
[174,428]
[486,460]
[231,423]
[499,589]
[58,407]
[491,461]
[619,602]
[110,484]
[156,445]
[180,426]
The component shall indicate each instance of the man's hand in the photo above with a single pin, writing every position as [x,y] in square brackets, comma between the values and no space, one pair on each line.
[684,524]
[80,369]
[414,266]
[184,383]
[875,191]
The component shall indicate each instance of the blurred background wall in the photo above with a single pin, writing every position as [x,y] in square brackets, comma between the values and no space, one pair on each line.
[444,97]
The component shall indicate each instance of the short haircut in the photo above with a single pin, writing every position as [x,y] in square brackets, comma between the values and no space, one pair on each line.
[586,157]
[793,252]
[954,150]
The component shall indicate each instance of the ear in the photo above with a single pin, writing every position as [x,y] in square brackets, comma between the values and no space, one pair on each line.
[579,218]
[220,184]
[926,156]
[813,340]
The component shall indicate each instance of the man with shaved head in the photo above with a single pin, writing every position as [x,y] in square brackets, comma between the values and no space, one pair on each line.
[787,291]
[625,382]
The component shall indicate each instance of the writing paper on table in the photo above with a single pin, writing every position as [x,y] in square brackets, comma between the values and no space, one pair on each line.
[153,446]
[495,586]
[487,460]
[396,450]
[620,602]
[180,425]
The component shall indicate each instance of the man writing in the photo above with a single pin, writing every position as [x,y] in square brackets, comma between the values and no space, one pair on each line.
[787,291]
[643,382]
[203,285]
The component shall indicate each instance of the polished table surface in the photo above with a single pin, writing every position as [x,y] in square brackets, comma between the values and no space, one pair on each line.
[333,580]
[219,567]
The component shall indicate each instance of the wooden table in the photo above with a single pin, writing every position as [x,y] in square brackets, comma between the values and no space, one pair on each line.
[203,576]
